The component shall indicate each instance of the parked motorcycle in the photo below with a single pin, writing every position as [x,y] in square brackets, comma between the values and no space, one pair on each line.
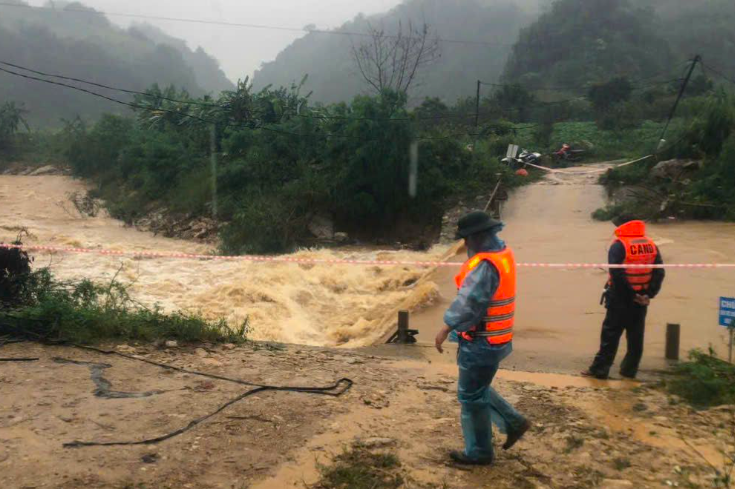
[522,160]
[569,154]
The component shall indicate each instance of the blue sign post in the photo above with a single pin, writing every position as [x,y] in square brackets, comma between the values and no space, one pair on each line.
[727,318]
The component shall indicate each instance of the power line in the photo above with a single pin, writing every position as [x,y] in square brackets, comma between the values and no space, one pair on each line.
[224,106]
[210,121]
[137,106]
[718,72]
[108,87]
[310,116]
[579,87]
[244,25]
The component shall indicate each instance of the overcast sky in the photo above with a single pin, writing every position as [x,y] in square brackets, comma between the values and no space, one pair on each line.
[240,50]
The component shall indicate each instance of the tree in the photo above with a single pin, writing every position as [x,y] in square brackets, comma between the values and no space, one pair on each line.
[393,61]
[610,102]
[603,96]
[11,118]
[513,102]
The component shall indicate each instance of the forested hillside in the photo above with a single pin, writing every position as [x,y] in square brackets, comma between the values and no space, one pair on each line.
[89,47]
[333,77]
[581,42]
[705,27]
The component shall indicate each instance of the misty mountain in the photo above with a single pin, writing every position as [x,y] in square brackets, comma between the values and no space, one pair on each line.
[585,41]
[705,27]
[90,47]
[206,68]
[332,76]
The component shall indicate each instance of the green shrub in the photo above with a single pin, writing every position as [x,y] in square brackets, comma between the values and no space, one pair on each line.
[359,468]
[193,192]
[11,121]
[704,381]
[85,312]
[98,150]
[263,224]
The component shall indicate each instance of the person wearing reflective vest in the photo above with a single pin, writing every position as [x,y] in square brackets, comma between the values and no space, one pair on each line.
[627,296]
[481,319]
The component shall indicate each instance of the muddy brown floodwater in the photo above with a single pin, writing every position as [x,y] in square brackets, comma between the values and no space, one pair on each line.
[558,318]
[313,305]
[585,433]
[559,313]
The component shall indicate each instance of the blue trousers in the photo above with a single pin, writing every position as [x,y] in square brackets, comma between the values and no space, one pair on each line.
[481,407]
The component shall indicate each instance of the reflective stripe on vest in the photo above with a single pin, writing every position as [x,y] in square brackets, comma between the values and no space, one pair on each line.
[499,318]
[639,250]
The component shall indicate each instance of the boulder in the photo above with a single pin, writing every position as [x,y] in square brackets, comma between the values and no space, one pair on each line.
[321,227]
[377,442]
[45,170]
[674,168]
[615,484]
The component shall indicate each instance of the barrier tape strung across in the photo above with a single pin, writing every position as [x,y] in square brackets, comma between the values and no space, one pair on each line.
[334,261]
[583,172]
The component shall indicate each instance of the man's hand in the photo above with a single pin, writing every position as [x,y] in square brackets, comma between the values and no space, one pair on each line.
[642,300]
[441,337]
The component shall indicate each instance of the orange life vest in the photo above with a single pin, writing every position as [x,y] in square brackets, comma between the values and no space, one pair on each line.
[639,250]
[499,319]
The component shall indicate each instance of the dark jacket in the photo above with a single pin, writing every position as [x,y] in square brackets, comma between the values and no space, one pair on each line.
[620,293]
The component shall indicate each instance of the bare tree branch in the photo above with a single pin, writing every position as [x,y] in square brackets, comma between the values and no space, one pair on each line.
[395,61]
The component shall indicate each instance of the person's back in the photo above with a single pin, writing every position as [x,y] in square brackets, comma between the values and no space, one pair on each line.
[627,295]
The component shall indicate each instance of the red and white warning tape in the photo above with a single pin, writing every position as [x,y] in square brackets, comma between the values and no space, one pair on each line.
[583,172]
[333,261]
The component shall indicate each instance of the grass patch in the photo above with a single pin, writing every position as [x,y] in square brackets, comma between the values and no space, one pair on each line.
[573,443]
[86,312]
[621,463]
[704,381]
[606,144]
[359,468]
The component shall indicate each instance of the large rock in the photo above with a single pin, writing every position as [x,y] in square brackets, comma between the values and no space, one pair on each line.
[322,227]
[45,170]
[675,168]
[615,484]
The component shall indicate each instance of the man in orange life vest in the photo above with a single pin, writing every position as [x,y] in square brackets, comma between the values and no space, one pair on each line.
[627,295]
[481,317]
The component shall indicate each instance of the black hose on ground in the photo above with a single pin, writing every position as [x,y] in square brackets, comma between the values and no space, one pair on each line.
[167,367]
[332,390]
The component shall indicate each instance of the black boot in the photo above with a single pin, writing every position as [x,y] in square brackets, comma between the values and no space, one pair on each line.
[461,458]
[516,435]
[590,373]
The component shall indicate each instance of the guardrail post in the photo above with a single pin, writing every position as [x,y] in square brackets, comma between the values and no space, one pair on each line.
[673,336]
[403,336]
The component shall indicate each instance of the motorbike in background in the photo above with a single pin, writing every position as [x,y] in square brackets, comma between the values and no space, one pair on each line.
[568,154]
[522,160]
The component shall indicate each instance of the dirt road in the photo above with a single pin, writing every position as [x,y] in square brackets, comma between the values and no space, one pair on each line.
[586,434]
[559,316]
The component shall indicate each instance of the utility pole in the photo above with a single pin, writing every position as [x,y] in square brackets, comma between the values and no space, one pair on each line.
[213,157]
[477,105]
[697,59]
[477,119]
